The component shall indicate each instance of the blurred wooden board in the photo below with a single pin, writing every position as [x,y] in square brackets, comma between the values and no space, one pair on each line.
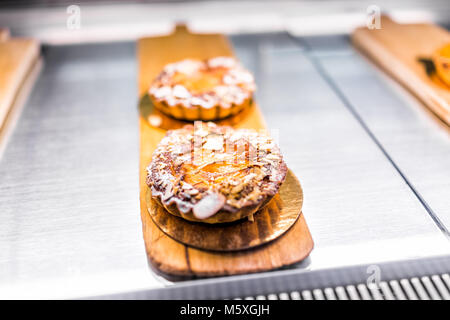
[17,58]
[4,34]
[396,48]
[165,254]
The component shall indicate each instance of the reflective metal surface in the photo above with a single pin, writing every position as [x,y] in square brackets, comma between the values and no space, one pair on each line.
[118,21]
[69,208]
[414,139]
[359,209]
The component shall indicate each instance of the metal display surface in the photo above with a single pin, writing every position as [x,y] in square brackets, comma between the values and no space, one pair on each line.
[416,141]
[69,207]
[69,192]
[359,209]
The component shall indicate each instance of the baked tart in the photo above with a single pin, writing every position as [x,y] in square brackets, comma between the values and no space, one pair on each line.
[202,89]
[441,59]
[215,174]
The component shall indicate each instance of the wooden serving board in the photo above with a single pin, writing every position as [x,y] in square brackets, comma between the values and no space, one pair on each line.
[17,59]
[4,34]
[165,254]
[397,48]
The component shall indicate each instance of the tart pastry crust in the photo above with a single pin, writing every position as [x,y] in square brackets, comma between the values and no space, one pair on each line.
[215,174]
[202,89]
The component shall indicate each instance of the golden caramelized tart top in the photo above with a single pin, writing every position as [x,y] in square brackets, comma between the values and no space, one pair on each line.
[202,89]
[215,174]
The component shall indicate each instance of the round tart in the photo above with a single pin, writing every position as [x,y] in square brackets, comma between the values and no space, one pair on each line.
[441,60]
[214,174]
[202,89]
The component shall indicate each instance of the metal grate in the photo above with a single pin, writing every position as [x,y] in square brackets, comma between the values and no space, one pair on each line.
[435,287]
[399,280]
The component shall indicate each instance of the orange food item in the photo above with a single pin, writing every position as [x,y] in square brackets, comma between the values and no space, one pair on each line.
[202,89]
[441,60]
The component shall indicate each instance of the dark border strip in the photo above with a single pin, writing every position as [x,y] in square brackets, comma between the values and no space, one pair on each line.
[328,79]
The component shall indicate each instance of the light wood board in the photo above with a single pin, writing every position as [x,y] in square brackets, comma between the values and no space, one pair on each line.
[17,59]
[165,254]
[4,34]
[396,48]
